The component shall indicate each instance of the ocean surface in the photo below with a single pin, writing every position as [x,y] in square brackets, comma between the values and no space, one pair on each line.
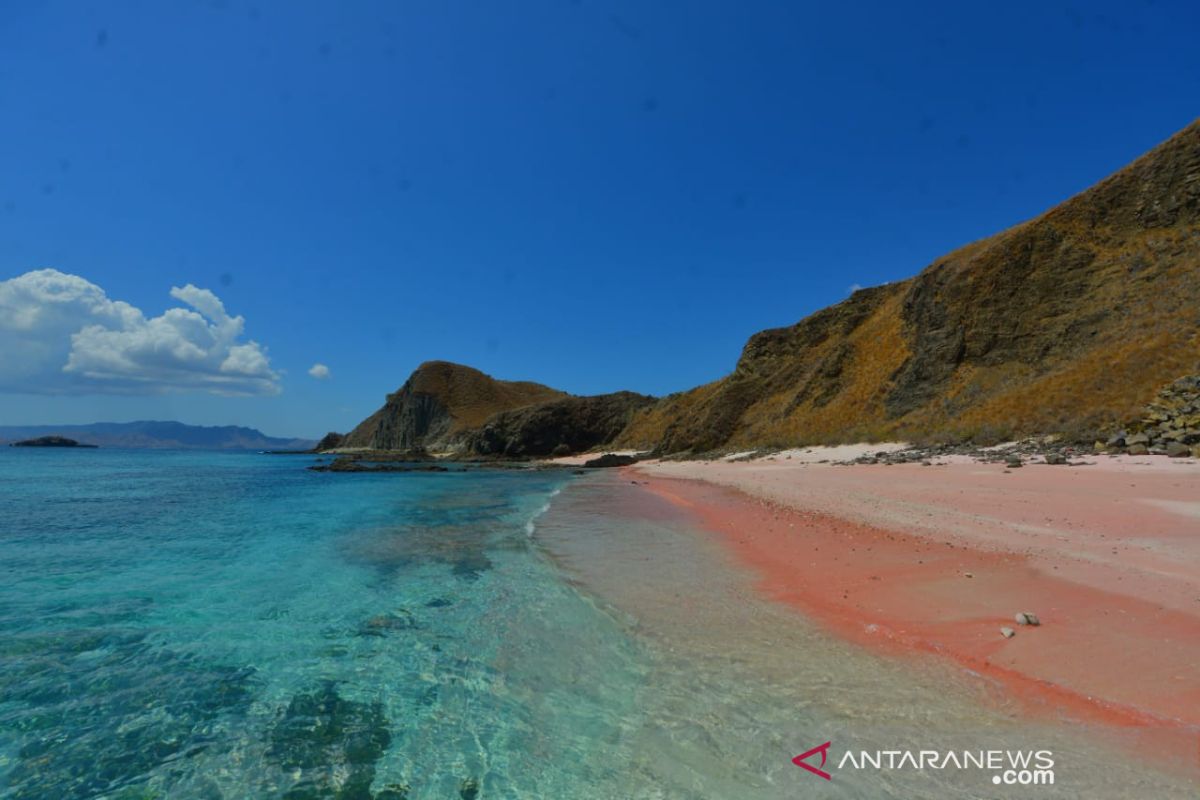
[213,625]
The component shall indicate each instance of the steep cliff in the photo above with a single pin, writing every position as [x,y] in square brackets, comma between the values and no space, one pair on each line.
[1067,322]
[438,403]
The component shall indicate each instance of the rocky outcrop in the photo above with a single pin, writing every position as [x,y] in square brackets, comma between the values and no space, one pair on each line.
[330,441]
[438,404]
[559,427]
[1066,323]
[1170,425]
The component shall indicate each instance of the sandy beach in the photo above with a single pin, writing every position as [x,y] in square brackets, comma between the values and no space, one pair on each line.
[938,559]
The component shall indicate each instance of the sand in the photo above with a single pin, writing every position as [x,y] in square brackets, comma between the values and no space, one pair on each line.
[938,559]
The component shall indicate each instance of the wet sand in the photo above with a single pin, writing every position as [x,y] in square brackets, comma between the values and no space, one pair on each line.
[738,683]
[937,559]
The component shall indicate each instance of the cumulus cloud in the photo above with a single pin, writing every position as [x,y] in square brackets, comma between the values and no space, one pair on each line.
[60,334]
[320,372]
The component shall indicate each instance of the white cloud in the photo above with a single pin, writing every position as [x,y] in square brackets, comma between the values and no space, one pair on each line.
[854,287]
[60,334]
[320,372]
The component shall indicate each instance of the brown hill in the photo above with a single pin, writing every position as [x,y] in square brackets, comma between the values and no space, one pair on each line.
[438,403]
[1067,322]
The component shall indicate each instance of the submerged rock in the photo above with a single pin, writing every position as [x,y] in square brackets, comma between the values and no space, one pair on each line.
[98,708]
[381,624]
[330,744]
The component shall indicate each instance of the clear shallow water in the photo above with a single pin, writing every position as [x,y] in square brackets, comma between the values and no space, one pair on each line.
[185,625]
[211,625]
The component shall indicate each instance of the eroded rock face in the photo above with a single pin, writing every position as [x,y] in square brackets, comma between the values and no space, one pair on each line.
[801,364]
[560,427]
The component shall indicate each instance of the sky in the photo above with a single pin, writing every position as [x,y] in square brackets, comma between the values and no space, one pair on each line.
[270,213]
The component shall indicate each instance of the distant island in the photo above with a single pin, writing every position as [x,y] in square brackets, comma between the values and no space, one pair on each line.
[156,435]
[50,441]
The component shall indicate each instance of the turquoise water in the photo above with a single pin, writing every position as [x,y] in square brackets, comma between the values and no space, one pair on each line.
[229,626]
[214,625]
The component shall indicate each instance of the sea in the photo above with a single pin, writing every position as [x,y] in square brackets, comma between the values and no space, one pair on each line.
[181,624]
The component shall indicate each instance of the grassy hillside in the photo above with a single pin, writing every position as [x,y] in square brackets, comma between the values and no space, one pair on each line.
[1067,322]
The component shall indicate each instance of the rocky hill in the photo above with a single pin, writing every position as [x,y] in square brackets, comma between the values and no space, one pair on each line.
[438,403]
[1067,323]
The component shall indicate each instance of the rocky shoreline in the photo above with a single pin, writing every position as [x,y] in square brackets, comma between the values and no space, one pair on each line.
[1168,426]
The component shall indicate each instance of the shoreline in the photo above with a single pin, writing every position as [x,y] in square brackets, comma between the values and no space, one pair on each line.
[909,559]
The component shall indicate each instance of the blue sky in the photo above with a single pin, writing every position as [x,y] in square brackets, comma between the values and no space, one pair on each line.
[593,195]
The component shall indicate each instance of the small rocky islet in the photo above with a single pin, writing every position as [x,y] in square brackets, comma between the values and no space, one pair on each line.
[52,441]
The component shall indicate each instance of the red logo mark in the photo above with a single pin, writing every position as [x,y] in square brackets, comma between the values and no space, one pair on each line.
[823,749]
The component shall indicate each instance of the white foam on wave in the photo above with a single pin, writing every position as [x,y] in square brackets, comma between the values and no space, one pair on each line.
[531,525]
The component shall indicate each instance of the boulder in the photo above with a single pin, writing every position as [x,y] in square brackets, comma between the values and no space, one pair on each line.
[1007,633]
[1028,618]
[1178,450]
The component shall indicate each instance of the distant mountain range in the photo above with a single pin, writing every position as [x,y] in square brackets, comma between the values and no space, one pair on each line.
[149,434]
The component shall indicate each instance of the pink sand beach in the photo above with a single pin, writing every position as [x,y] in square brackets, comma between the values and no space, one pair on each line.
[938,559]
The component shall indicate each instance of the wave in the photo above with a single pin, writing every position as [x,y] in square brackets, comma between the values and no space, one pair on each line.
[531,523]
